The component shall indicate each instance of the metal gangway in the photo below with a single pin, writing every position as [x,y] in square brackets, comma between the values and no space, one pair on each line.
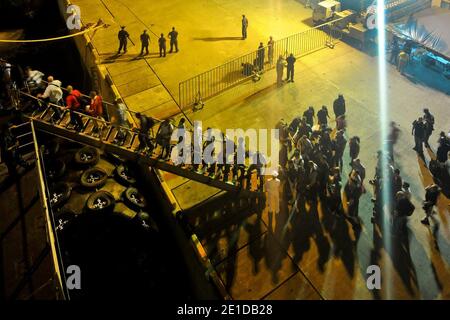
[124,142]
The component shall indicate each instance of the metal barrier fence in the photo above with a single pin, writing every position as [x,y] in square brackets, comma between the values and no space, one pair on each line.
[223,77]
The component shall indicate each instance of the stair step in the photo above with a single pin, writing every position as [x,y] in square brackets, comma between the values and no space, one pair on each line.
[129,140]
[113,135]
[65,119]
[88,129]
[106,133]
[44,114]
[86,122]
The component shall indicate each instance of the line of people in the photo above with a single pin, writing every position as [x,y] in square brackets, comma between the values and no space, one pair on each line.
[32,81]
[51,92]
[74,101]
[230,169]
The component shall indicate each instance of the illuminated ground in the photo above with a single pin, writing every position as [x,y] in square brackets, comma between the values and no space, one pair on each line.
[209,35]
[311,259]
[420,271]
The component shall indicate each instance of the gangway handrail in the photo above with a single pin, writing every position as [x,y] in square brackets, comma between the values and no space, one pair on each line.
[50,221]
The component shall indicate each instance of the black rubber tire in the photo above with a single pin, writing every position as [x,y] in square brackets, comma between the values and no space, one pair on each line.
[55,169]
[100,201]
[63,219]
[87,156]
[94,178]
[124,175]
[145,220]
[59,194]
[134,199]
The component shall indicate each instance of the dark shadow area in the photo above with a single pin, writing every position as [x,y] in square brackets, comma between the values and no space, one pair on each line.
[233,77]
[120,259]
[344,246]
[308,21]
[401,259]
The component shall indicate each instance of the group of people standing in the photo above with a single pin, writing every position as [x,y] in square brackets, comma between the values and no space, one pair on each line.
[311,163]
[124,36]
[422,128]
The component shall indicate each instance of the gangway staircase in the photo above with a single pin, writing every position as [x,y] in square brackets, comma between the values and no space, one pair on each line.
[128,149]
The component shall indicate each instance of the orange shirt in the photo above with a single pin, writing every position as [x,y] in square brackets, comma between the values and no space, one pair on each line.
[96,107]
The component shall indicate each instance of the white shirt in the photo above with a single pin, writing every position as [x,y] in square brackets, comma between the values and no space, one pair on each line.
[35,76]
[53,91]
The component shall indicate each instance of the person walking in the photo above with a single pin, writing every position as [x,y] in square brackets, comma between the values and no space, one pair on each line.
[339,146]
[418,131]
[354,147]
[33,79]
[54,94]
[73,105]
[309,114]
[290,68]
[163,137]
[173,36]
[361,169]
[145,124]
[443,147]
[339,106]
[145,41]
[280,70]
[322,116]
[270,45]
[162,45]
[353,191]
[431,197]
[244,27]
[95,110]
[260,57]
[123,36]
[429,126]
[394,133]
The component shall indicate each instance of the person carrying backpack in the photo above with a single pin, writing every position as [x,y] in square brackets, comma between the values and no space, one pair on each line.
[146,123]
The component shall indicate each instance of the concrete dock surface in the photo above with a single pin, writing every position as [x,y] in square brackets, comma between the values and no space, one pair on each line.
[306,257]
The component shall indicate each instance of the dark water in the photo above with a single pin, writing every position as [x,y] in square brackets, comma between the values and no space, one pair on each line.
[41,19]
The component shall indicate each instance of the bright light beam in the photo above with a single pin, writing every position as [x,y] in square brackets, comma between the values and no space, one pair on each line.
[384,132]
